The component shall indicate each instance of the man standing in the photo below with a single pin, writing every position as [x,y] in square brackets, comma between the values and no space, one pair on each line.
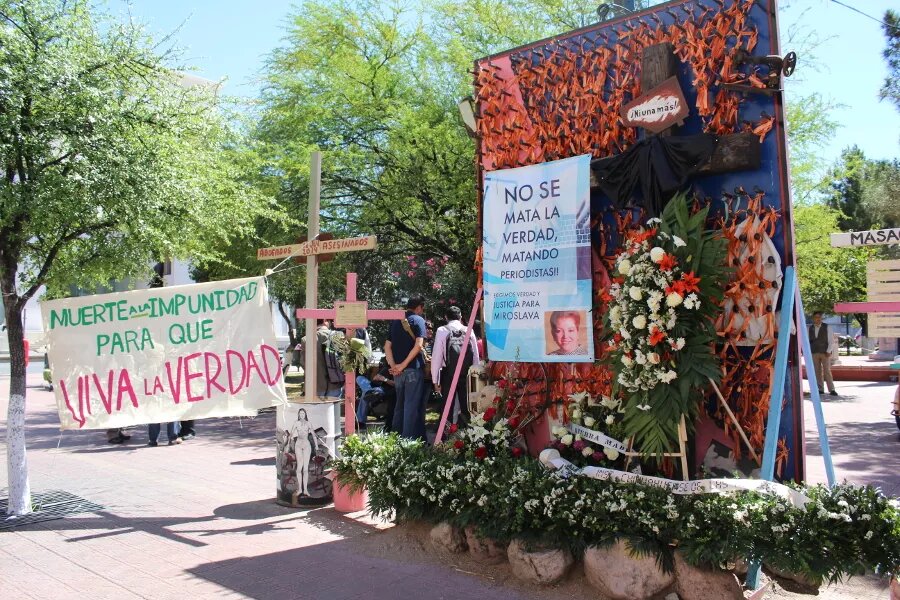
[327,383]
[404,352]
[820,343]
[450,347]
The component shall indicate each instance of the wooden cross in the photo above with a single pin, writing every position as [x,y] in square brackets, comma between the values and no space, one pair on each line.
[313,250]
[348,314]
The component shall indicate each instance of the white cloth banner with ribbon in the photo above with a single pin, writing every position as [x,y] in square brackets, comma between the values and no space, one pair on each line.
[163,354]
[596,437]
[551,458]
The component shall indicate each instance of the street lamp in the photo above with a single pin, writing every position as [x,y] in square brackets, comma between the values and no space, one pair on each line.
[608,10]
[467,112]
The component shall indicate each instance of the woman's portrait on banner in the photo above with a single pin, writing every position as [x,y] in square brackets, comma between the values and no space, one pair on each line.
[566,332]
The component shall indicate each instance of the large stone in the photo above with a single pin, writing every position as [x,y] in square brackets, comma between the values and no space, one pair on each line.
[448,538]
[542,567]
[695,583]
[484,550]
[802,580]
[617,574]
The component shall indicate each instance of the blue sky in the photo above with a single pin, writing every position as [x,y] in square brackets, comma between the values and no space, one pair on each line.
[230,39]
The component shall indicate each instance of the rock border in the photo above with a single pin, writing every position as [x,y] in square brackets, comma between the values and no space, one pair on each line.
[611,570]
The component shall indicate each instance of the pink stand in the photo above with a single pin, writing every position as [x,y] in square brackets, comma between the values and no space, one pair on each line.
[344,499]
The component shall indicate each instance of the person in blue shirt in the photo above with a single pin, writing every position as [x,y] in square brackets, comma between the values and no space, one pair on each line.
[404,350]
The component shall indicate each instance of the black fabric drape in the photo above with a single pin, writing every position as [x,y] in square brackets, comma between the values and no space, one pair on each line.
[659,167]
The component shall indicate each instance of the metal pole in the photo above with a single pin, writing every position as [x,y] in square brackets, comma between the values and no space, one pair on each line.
[312,276]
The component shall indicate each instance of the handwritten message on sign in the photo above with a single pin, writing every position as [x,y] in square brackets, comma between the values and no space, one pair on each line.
[164,354]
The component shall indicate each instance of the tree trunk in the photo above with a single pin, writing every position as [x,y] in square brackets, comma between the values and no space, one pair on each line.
[16,461]
[292,337]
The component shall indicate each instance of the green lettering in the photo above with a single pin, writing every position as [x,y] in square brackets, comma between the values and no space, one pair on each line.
[206,329]
[62,318]
[102,340]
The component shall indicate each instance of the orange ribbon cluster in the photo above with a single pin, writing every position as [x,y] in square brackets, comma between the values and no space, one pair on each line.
[564,98]
[748,297]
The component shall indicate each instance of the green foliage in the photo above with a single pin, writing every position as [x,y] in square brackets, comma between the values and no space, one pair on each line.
[108,161]
[810,128]
[827,275]
[654,405]
[847,180]
[841,531]
[891,88]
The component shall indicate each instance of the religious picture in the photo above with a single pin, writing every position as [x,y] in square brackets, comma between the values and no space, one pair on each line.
[566,331]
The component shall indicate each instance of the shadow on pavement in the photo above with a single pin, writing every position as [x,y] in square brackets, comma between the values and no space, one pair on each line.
[869,449]
[338,570]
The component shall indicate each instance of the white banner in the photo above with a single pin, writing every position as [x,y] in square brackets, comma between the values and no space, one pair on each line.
[163,354]
[537,262]
[551,458]
[596,437]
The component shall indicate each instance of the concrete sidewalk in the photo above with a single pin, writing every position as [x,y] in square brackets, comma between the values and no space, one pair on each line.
[198,520]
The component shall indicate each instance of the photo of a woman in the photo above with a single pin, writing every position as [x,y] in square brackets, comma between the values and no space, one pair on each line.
[564,328]
[302,440]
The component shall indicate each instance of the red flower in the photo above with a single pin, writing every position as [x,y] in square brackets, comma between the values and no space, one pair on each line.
[480,452]
[513,422]
[605,296]
[516,452]
[490,413]
[642,236]
[502,384]
[677,287]
[618,337]
[656,336]
[667,263]
[458,444]
[454,428]
[690,282]
[510,406]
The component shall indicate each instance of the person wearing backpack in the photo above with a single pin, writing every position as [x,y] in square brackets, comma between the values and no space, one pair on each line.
[451,347]
[329,375]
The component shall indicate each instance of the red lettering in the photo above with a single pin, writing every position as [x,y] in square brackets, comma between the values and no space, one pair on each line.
[107,398]
[188,375]
[125,386]
[174,386]
[229,354]
[252,364]
[264,351]
[212,380]
[75,417]
[157,385]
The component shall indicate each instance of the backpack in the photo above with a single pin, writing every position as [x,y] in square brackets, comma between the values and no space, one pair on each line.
[334,372]
[458,347]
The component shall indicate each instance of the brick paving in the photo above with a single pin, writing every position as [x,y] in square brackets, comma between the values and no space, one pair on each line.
[198,520]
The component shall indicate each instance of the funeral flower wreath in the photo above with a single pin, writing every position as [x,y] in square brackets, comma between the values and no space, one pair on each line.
[662,306]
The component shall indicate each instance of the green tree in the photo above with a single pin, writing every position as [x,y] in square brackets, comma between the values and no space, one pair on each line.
[810,128]
[881,192]
[108,164]
[847,182]
[891,88]
[827,275]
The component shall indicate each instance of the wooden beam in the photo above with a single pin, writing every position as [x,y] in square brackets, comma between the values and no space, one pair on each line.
[867,307]
[657,65]
[735,152]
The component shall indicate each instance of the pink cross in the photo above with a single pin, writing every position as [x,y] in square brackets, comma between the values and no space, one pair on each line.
[349,378]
